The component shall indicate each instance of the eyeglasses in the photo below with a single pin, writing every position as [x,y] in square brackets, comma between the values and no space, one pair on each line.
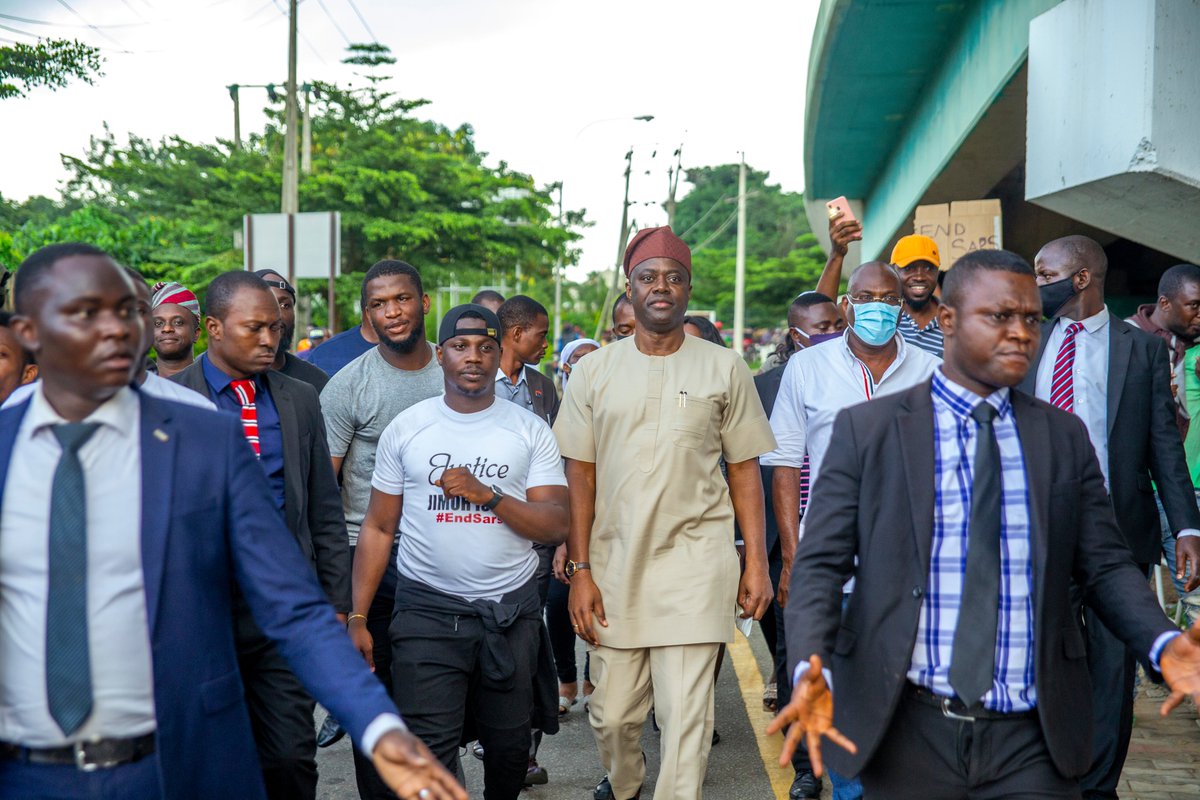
[862,297]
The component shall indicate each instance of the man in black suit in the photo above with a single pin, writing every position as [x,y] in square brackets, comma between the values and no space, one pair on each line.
[526,324]
[281,418]
[962,499]
[1115,378]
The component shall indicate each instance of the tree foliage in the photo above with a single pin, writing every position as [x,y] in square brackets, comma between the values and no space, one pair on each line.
[406,188]
[51,63]
[783,257]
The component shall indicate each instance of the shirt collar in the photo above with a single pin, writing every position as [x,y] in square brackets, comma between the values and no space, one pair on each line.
[901,349]
[932,325]
[1090,324]
[501,377]
[216,378]
[118,412]
[961,400]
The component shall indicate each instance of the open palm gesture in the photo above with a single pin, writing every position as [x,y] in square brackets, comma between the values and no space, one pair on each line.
[810,714]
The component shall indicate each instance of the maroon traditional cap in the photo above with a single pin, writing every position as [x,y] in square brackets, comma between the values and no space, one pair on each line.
[657,243]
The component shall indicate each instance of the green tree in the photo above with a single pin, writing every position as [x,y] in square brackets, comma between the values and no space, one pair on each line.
[405,187]
[51,63]
[782,255]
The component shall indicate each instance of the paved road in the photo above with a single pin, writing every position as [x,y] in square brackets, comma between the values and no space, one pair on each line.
[735,772]
[1163,763]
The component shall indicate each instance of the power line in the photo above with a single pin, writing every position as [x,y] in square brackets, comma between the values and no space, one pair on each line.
[67,6]
[363,20]
[337,27]
[28,21]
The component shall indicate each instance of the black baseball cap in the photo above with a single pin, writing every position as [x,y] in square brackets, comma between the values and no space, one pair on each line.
[450,328]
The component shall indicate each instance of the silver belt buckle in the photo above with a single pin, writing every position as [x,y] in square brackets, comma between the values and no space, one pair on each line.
[946,712]
[81,759]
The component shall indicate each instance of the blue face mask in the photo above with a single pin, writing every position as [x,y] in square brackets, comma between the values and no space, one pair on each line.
[875,323]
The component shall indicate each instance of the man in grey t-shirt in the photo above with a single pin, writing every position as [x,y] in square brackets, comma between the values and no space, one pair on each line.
[358,403]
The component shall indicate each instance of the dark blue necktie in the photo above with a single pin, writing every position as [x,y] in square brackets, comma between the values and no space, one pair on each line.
[68,671]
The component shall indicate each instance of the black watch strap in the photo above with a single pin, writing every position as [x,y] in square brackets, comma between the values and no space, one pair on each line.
[491,504]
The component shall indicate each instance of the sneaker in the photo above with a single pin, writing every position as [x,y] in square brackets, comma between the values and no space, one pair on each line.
[603,790]
[806,785]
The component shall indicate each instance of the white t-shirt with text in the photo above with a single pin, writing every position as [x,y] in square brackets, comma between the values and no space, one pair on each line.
[447,543]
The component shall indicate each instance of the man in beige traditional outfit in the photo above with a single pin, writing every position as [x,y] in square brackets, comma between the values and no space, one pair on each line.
[654,574]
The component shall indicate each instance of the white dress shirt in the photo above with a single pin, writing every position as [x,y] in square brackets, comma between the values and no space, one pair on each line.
[118,627]
[119,642]
[819,382]
[154,385]
[1090,377]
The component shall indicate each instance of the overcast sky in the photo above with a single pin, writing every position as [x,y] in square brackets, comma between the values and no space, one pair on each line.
[550,86]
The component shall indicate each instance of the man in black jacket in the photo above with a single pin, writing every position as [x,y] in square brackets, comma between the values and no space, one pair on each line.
[964,500]
[285,361]
[1117,379]
[281,418]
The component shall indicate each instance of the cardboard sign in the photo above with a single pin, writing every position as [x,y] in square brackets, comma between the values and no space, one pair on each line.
[960,227]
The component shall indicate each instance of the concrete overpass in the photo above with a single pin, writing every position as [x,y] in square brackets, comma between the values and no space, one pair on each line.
[1080,116]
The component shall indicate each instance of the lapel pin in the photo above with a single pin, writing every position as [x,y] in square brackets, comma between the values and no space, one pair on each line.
[160,435]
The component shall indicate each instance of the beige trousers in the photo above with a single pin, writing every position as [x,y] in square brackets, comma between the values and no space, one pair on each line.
[678,682]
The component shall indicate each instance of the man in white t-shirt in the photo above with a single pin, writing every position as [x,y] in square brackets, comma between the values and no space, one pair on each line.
[479,482]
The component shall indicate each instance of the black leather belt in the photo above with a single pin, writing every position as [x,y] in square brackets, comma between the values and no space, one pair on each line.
[88,756]
[954,708]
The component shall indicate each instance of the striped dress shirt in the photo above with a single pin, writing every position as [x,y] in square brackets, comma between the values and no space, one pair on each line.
[954,456]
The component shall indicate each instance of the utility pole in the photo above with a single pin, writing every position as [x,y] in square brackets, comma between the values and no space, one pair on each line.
[237,117]
[290,201]
[622,242]
[556,332]
[739,282]
[306,145]
[673,174]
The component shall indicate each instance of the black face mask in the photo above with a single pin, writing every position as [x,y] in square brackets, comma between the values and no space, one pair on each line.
[1056,295]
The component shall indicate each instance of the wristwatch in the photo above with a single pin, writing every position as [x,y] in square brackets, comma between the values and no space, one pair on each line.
[574,566]
[497,496]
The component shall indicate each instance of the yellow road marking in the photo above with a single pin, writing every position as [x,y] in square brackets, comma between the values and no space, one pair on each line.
[751,683]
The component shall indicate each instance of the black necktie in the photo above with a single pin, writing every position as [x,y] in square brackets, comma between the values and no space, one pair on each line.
[68,670]
[973,659]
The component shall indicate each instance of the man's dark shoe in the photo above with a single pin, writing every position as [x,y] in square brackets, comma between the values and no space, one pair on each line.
[603,790]
[331,732]
[716,738]
[536,775]
[477,750]
[805,785]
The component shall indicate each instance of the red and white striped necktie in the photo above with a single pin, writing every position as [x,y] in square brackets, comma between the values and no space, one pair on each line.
[1062,385]
[244,390]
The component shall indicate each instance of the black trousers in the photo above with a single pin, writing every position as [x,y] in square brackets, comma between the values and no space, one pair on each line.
[1112,669]
[928,756]
[379,618]
[777,632]
[438,680]
[281,715]
[562,636]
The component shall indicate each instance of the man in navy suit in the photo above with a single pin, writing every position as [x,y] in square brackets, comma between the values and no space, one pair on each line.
[118,672]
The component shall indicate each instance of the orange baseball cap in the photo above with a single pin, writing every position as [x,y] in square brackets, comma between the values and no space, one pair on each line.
[916,248]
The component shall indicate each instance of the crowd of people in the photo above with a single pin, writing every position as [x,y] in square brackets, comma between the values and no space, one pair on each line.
[941,497]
